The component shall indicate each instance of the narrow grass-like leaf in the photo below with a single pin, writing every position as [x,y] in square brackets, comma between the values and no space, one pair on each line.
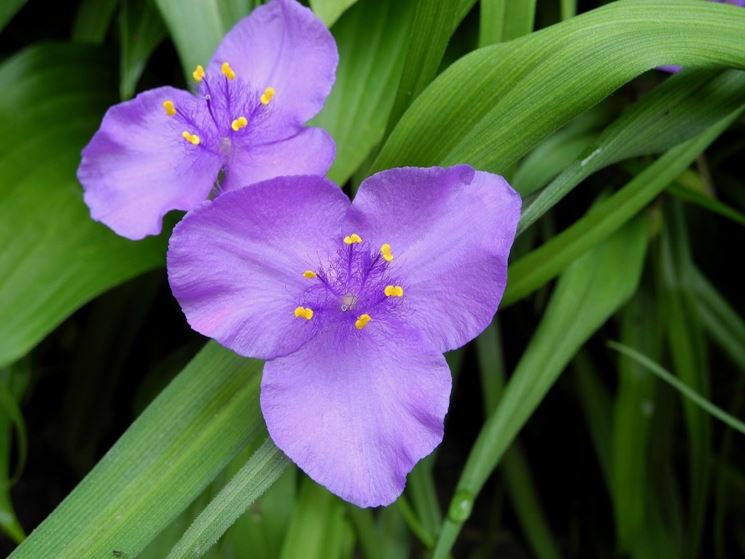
[590,290]
[8,9]
[517,472]
[166,458]
[493,105]
[707,202]
[92,20]
[631,491]
[53,256]
[319,529]
[669,115]
[539,266]
[684,389]
[687,346]
[434,23]
[260,471]
[718,317]
[140,30]
[370,38]
[196,27]
[504,20]
[328,11]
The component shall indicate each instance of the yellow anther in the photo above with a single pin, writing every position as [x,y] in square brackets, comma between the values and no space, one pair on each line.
[393,291]
[267,96]
[227,71]
[198,73]
[239,123]
[191,138]
[352,239]
[304,312]
[169,107]
[385,250]
[362,321]
[309,274]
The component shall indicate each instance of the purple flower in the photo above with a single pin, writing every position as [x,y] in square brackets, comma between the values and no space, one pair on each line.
[352,306]
[674,68]
[165,149]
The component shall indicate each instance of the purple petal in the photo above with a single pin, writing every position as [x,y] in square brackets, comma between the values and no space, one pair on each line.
[309,152]
[137,166]
[357,413]
[450,231]
[236,264]
[284,46]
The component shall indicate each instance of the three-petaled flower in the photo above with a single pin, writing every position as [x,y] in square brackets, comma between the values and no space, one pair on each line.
[166,148]
[352,305]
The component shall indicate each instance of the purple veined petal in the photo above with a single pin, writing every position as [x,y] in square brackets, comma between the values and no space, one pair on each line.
[137,167]
[309,152]
[357,413]
[284,46]
[450,231]
[236,264]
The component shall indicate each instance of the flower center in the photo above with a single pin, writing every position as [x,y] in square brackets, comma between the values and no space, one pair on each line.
[354,287]
[233,110]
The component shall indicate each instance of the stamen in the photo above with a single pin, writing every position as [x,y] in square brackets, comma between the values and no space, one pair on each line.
[304,312]
[393,291]
[227,71]
[352,239]
[239,123]
[362,321]
[267,96]
[309,274]
[169,107]
[191,138]
[198,73]
[385,250]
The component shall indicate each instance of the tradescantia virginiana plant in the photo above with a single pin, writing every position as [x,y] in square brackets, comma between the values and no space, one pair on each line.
[333,315]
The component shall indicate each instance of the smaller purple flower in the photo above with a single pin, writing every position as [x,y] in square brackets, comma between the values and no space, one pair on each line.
[352,306]
[166,148]
[674,68]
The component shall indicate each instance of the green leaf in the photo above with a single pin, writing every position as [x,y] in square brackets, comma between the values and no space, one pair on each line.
[590,291]
[687,194]
[252,480]
[684,389]
[92,20]
[9,8]
[328,11]
[493,105]
[141,29]
[434,23]
[669,115]
[180,443]
[370,38]
[54,257]
[542,264]
[319,529]
[504,20]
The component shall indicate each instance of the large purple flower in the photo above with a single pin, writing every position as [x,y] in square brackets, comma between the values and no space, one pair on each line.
[673,68]
[352,306]
[166,148]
